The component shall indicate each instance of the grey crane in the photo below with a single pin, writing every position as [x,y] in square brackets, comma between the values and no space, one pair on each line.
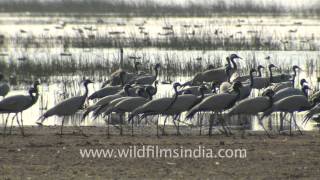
[291,104]
[117,79]
[184,103]
[286,92]
[286,77]
[218,75]
[156,106]
[106,100]
[127,105]
[147,79]
[245,90]
[253,106]
[216,103]
[67,107]
[108,90]
[247,77]
[18,104]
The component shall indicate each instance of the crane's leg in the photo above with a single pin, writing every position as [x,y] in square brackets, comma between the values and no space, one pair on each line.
[282,117]
[223,124]
[108,125]
[270,123]
[201,120]
[5,125]
[211,123]
[261,124]
[296,125]
[61,128]
[132,127]
[164,125]
[177,118]
[10,131]
[158,127]
[21,123]
[21,129]
[121,130]
[290,123]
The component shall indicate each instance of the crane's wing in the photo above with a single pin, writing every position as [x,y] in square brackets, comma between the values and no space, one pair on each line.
[66,107]
[15,103]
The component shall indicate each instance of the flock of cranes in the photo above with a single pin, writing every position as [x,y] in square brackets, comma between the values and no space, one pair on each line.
[130,94]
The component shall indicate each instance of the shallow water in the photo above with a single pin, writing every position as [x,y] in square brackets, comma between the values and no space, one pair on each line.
[51,94]
[299,32]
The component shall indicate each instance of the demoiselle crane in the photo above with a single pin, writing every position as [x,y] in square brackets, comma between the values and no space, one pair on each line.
[67,107]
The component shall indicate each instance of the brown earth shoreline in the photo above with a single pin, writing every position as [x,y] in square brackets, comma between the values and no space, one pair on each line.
[43,154]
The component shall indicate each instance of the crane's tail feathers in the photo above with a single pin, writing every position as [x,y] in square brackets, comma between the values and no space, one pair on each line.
[307,117]
[190,114]
[99,110]
[85,114]
[108,111]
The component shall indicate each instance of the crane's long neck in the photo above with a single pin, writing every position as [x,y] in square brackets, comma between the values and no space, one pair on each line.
[228,61]
[34,98]
[259,72]
[87,91]
[305,91]
[174,99]
[127,92]
[155,88]
[235,99]
[271,77]
[235,67]
[149,94]
[251,79]
[294,76]
[122,79]
[156,72]
[136,68]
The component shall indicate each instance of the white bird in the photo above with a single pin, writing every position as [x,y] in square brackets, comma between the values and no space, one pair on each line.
[17,104]
[216,103]
[108,90]
[67,107]
[4,86]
